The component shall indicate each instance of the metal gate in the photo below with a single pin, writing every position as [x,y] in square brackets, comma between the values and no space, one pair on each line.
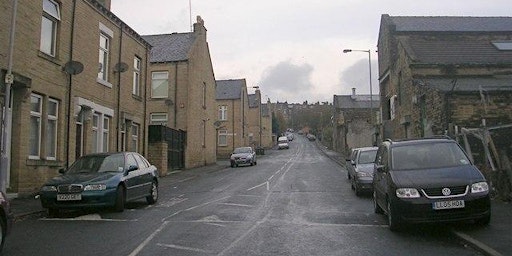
[176,140]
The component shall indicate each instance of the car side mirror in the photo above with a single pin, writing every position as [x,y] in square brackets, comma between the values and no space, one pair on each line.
[352,162]
[132,168]
[380,168]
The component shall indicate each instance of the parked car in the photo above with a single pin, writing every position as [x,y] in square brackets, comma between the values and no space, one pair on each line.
[101,180]
[311,137]
[243,155]
[428,180]
[6,218]
[362,170]
[351,160]
[282,143]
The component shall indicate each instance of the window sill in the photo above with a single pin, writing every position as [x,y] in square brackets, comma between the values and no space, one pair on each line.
[103,82]
[44,162]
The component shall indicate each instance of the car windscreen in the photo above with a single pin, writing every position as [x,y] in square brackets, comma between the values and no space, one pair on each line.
[242,150]
[367,156]
[428,156]
[98,163]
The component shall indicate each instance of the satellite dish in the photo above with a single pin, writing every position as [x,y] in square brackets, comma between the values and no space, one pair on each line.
[121,67]
[73,67]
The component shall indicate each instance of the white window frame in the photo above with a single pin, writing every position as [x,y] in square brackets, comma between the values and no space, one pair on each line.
[37,114]
[50,18]
[222,138]
[103,58]
[136,75]
[51,135]
[158,119]
[95,132]
[135,138]
[154,84]
[105,134]
[223,113]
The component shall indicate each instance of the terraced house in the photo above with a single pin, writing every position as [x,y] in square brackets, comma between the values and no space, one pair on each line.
[233,114]
[448,75]
[78,87]
[181,98]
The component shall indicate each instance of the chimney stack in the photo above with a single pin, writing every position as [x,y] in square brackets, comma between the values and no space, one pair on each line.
[353,91]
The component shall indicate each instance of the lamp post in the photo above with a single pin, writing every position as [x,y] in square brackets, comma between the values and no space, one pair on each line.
[370,71]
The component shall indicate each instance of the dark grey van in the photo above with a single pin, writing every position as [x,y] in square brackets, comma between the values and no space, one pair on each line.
[428,180]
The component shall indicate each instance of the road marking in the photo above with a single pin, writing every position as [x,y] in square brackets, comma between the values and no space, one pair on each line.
[257,186]
[88,217]
[240,205]
[173,246]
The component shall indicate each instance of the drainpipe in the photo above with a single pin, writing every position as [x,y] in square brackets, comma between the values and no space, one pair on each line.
[118,115]
[7,118]
[70,83]
[175,95]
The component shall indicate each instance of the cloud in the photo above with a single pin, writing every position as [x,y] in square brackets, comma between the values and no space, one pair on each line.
[287,81]
[356,76]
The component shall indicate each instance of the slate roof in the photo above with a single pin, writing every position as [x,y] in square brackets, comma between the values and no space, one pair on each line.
[456,50]
[451,24]
[469,84]
[229,89]
[253,100]
[170,47]
[356,101]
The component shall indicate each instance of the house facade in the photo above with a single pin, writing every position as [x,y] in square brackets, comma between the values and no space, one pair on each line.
[354,121]
[233,116]
[64,101]
[445,75]
[182,91]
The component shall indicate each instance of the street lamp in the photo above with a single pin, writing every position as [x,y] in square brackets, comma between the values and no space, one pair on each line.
[370,70]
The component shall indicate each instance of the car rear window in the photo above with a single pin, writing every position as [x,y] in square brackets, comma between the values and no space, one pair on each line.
[367,157]
[427,156]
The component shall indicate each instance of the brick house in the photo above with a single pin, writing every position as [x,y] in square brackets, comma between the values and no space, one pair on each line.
[266,126]
[64,104]
[182,92]
[233,116]
[260,122]
[439,75]
[354,121]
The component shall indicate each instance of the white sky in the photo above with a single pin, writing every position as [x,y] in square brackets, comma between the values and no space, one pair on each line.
[292,49]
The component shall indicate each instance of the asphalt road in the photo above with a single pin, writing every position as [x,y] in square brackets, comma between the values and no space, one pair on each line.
[293,202]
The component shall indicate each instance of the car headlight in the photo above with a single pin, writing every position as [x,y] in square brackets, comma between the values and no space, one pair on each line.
[407,193]
[95,187]
[48,188]
[364,174]
[479,187]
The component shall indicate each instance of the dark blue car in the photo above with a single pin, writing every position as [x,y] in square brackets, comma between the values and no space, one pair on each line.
[101,180]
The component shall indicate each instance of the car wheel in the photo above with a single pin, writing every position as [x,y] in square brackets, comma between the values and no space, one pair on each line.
[376,207]
[3,232]
[255,163]
[232,165]
[484,221]
[153,197]
[357,190]
[53,212]
[393,222]
[348,175]
[120,198]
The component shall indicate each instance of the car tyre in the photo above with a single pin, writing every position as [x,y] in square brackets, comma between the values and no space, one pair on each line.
[376,207]
[357,190]
[484,221]
[120,199]
[153,196]
[3,230]
[393,222]
[53,212]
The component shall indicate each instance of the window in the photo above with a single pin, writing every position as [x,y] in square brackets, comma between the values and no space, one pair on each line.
[36,112]
[136,76]
[106,125]
[135,138]
[223,113]
[51,129]
[95,136]
[223,138]
[103,57]
[159,85]
[49,26]
[158,119]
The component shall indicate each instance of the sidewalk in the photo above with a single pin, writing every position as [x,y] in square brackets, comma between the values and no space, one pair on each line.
[494,239]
